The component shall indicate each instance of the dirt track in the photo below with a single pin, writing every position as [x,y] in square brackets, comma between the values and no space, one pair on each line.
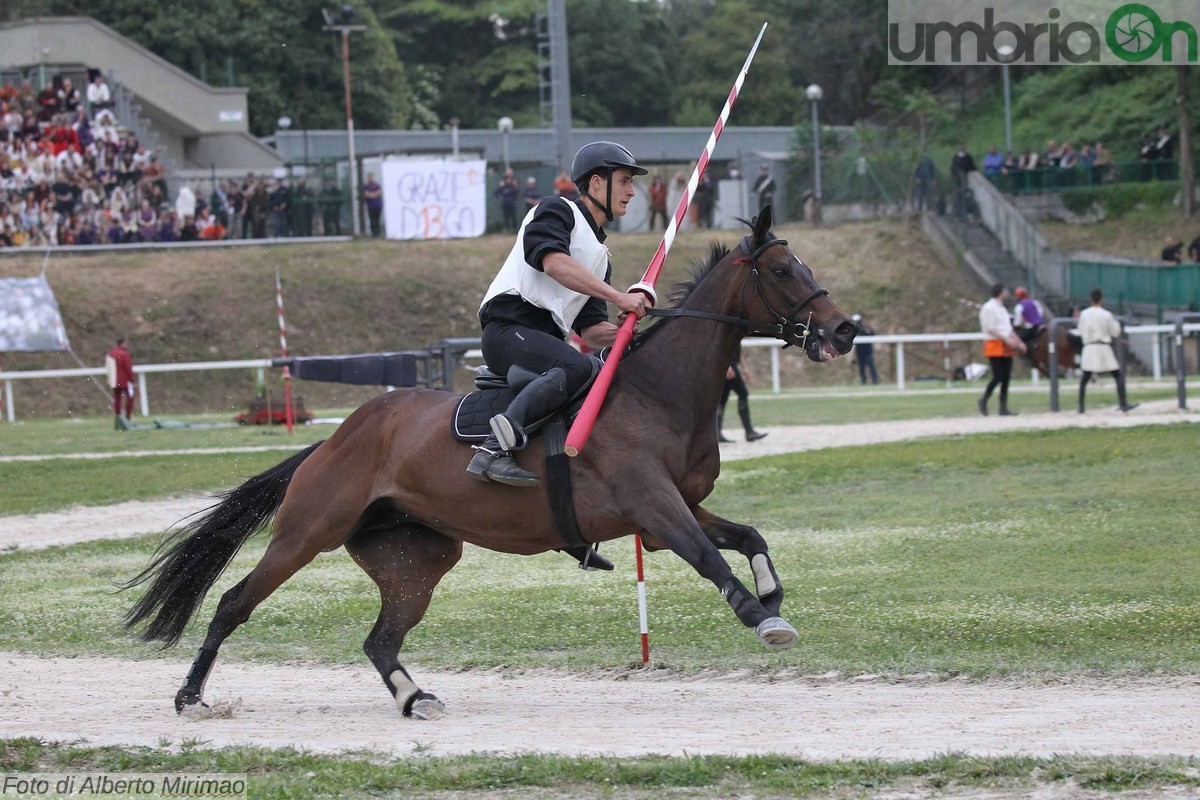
[628,713]
[332,709]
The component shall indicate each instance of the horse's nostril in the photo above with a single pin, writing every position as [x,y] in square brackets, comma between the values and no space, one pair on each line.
[847,330]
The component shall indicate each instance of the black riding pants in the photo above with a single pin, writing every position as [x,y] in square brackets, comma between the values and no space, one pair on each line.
[505,345]
[1001,373]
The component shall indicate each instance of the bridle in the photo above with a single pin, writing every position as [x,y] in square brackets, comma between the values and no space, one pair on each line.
[784,322]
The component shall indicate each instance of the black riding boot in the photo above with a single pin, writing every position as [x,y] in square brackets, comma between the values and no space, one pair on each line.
[1082,397]
[744,412]
[720,426]
[537,400]
[1121,398]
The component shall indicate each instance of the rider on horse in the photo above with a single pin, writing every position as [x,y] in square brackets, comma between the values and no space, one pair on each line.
[1029,317]
[555,280]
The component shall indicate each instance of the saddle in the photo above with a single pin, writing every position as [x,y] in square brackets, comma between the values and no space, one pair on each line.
[493,393]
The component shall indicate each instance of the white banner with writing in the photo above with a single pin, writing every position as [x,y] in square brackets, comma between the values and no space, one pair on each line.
[434,199]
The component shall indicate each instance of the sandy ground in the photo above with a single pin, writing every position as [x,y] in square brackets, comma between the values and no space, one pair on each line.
[329,709]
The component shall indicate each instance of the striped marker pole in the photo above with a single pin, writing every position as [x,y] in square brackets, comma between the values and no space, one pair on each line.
[581,428]
[287,373]
[643,624]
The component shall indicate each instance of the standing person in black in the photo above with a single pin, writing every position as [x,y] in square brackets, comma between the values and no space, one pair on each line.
[864,352]
[736,378]
[507,191]
[764,187]
[960,166]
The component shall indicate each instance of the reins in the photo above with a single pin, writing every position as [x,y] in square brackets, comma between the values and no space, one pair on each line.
[777,329]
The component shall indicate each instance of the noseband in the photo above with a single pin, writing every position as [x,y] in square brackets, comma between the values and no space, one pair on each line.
[783,322]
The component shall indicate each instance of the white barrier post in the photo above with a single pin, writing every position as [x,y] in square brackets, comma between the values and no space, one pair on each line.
[143,399]
[775,370]
[8,401]
[1156,360]
[900,366]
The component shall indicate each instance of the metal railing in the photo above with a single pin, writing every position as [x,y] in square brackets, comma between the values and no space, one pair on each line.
[451,353]
[1060,179]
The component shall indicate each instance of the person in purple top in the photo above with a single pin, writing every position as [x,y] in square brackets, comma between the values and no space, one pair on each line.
[1029,317]
[373,195]
[147,222]
[993,161]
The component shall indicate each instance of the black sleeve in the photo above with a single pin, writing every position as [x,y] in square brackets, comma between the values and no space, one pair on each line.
[594,310]
[548,232]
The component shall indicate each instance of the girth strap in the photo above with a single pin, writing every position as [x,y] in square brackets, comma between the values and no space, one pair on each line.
[558,482]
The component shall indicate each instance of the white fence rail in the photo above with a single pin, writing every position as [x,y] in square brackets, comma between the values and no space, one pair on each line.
[259,365]
[896,340]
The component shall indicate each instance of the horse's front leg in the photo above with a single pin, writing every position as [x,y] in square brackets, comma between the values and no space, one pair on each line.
[672,524]
[728,535]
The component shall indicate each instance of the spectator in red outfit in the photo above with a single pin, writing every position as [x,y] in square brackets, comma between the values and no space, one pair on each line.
[119,365]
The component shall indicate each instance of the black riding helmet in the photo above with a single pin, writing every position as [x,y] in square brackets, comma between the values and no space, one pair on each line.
[602,157]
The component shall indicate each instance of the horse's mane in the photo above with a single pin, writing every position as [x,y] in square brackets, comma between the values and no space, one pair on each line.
[682,290]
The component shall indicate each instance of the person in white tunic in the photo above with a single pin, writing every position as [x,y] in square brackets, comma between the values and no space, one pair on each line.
[1097,328]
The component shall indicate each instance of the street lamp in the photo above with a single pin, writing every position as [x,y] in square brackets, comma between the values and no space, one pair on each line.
[505,126]
[343,23]
[813,94]
[1005,51]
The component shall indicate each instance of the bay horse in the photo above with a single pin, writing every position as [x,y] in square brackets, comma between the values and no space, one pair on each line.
[390,484]
[1066,348]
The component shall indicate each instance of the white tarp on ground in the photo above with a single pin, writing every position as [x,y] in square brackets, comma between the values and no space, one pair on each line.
[29,317]
[434,199]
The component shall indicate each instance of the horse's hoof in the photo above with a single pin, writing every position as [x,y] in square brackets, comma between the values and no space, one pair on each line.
[428,707]
[186,702]
[776,633]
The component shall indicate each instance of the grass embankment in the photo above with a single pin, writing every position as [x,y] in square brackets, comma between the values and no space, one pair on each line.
[298,776]
[1030,554]
[370,296]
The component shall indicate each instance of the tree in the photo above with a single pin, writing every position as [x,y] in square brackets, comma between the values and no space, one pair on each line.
[621,57]
[483,54]
[711,55]
[1187,180]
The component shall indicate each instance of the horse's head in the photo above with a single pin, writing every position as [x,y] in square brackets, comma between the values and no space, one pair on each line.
[782,298]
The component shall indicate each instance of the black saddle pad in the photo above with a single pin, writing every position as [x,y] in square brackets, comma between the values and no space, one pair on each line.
[470,420]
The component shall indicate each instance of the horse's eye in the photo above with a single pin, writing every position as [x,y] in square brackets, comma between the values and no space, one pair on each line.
[780,272]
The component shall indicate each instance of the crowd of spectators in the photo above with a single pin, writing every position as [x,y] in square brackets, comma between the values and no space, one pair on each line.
[70,174]
[1089,163]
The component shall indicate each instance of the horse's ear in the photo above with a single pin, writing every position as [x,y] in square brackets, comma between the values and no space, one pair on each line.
[762,224]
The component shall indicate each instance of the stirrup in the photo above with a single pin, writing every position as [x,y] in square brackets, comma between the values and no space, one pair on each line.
[509,434]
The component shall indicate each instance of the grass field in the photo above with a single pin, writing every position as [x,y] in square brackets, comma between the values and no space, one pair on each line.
[291,774]
[1037,556]
[1030,554]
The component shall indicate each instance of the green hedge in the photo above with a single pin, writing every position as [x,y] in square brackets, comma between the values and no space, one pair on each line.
[1119,199]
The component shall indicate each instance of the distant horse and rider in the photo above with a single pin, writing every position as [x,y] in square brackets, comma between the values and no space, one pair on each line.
[390,487]
[1033,327]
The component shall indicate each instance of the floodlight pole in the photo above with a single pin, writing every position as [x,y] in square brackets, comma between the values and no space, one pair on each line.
[346,30]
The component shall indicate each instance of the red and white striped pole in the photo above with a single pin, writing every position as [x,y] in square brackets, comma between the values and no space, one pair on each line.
[581,428]
[643,623]
[287,373]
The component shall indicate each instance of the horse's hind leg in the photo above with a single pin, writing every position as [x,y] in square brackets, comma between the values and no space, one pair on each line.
[295,544]
[406,562]
[728,535]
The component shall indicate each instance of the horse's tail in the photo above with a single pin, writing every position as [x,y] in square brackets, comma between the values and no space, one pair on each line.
[187,564]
